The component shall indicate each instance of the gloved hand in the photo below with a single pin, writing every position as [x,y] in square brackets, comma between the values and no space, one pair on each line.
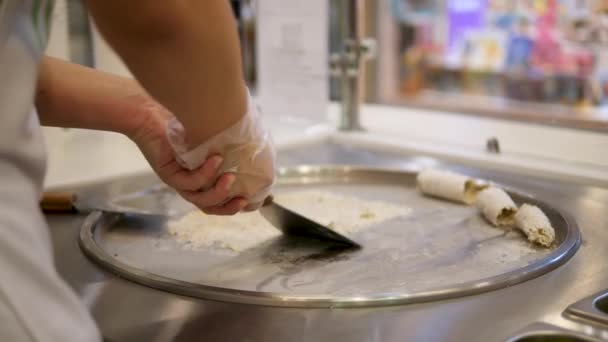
[149,133]
[247,151]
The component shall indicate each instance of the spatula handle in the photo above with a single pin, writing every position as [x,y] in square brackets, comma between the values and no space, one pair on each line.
[58,201]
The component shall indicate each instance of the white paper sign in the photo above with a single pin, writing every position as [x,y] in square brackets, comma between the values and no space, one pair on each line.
[292,59]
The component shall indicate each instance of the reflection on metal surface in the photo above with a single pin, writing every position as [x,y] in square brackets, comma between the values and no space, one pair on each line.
[442,251]
[541,332]
[593,309]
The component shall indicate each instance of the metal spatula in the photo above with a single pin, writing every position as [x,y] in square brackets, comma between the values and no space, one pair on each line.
[294,224]
[61,202]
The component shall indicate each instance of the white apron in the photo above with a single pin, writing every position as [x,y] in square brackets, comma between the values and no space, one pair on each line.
[35,303]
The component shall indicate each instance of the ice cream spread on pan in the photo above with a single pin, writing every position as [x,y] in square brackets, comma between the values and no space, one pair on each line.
[345,214]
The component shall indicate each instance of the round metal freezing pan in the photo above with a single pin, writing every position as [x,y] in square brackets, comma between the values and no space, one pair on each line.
[442,250]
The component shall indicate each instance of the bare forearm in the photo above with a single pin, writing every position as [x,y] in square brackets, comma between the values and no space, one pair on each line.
[185,53]
[70,95]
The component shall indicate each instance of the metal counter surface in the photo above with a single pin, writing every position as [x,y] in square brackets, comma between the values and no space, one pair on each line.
[126,311]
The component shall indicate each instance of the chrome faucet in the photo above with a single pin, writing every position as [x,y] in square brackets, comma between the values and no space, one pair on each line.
[346,65]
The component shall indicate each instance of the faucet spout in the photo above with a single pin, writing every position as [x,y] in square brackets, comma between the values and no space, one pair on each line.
[346,65]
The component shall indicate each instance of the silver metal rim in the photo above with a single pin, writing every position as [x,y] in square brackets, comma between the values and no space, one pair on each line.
[556,258]
[549,330]
[586,310]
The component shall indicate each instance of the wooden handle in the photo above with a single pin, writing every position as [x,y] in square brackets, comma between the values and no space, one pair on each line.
[58,202]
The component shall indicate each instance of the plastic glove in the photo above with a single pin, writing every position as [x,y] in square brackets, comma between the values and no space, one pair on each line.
[149,132]
[247,150]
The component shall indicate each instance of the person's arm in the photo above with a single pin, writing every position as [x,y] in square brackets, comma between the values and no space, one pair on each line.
[70,95]
[185,53]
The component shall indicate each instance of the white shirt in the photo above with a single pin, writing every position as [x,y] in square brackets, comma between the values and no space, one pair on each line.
[35,303]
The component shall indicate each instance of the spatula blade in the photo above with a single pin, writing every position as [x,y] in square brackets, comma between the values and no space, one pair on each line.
[294,224]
